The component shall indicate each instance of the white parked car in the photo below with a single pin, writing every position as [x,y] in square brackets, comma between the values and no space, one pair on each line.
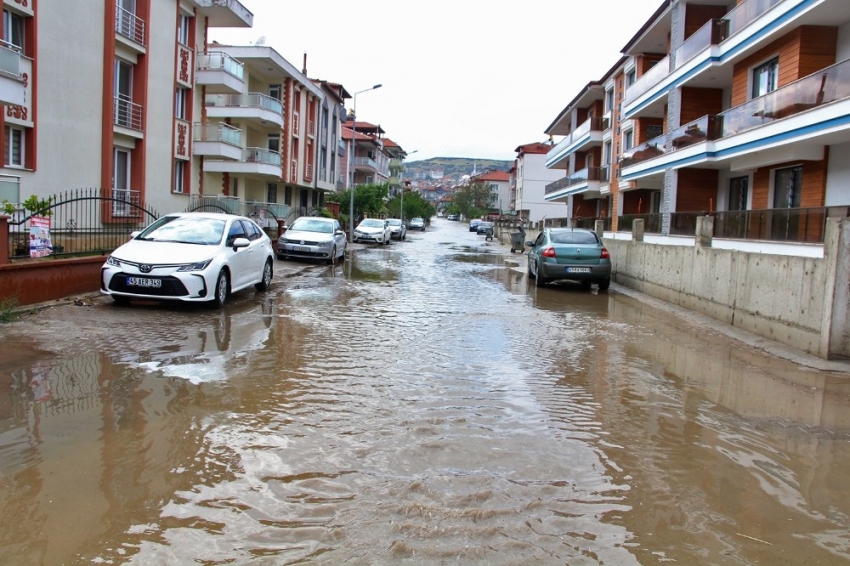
[417,224]
[373,230]
[313,237]
[190,256]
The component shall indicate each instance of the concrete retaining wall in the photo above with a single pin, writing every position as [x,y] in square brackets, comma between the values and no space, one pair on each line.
[793,300]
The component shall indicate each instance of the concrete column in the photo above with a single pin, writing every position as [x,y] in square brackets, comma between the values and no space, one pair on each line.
[4,240]
[599,227]
[835,329]
[637,229]
[674,109]
[705,231]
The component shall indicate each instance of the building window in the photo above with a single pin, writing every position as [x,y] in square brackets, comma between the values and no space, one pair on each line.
[179,172]
[14,146]
[628,140]
[787,187]
[271,192]
[180,103]
[13,29]
[287,196]
[234,189]
[738,193]
[765,78]
[183,29]
[275,91]
[609,100]
[631,77]
[274,143]
[606,154]
[653,132]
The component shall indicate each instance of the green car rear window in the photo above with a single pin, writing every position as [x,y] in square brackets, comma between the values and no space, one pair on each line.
[573,238]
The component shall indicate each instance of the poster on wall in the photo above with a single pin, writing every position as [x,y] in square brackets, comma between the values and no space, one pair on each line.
[40,244]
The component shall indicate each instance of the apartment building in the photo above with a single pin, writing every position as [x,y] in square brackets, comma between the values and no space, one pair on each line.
[500,187]
[528,180]
[717,106]
[147,109]
[367,161]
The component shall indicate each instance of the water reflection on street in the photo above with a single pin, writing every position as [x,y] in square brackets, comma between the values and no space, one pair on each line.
[419,403]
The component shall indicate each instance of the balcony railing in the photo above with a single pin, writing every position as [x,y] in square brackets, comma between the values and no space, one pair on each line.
[652,222]
[825,86]
[217,132]
[803,225]
[261,155]
[581,176]
[685,223]
[712,33]
[231,205]
[251,100]
[10,59]
[365,162]
[219,61]
[700,130]
[127,114]
[745,13]
[256,209]
[649,79]
[130,26]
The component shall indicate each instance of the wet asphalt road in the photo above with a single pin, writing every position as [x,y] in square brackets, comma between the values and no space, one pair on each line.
[420,403]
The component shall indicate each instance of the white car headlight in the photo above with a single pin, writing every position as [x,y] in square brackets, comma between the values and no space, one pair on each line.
[197,266]
[324,244]
[113,261]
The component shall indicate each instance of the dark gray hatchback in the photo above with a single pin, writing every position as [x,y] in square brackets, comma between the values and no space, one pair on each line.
[569,253]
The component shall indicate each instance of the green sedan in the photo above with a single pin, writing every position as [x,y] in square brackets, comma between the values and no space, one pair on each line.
[569,253]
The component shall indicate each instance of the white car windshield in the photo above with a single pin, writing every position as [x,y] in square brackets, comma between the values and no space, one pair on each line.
[394,222]
[312,226]
[372,223]
[185,230]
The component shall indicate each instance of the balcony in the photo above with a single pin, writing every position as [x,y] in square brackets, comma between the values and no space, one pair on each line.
[707,53]
[588,134]
[254,162]
[260,211]
[217,203]
[220,73]
[698,131]
[131,27]
[127,114]
[225,13]
[12,88]
[217,140]
[257,108]
[585,180]
[365,164]
[712,33]
[823,96]
[802,225]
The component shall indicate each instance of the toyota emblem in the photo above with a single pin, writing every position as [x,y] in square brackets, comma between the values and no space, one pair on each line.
[145,268]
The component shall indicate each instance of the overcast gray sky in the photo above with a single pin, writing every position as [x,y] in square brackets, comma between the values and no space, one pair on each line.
[461,78]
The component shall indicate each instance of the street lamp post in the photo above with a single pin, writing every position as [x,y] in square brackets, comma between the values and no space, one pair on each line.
[348,177]
[402,186]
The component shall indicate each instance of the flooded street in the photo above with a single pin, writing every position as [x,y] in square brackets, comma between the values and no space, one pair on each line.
[420,403]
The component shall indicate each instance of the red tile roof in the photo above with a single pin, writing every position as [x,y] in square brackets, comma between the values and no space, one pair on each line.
[494,176]
[536,148]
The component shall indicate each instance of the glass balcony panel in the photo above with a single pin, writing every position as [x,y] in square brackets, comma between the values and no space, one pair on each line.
[649,79]
[10,59]
[260,155]
[745,13]
[218,61]
[218,132]
[712,33]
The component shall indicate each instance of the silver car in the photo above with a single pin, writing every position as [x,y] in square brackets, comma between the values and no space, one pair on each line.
[397,229]
[373,230]
[313,237]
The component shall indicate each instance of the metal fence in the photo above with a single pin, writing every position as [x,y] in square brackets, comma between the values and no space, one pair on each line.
[81,222]
[801,225]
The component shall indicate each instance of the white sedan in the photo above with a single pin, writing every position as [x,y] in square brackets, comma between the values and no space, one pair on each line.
[191,256]
[313,237]
[373,230]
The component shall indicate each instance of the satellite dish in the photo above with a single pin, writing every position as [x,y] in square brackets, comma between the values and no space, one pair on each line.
[261,40]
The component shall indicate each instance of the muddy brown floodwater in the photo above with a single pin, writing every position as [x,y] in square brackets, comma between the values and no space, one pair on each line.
[419,404]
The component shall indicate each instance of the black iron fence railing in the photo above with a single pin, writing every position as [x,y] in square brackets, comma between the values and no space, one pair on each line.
[799,225]
[79,222]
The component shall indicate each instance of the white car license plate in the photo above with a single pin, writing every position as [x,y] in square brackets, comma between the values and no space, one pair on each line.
[578,270]
[143,282]
[300,249]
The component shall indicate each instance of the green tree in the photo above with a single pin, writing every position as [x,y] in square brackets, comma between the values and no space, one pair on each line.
[414,205]
[368,200]
[472,200]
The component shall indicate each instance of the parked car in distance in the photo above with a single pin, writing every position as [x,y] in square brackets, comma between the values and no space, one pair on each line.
[483,226]
[452,217]
[373,230]
[190,256]
[569,253]
[473,224]
[397,229]
[417,224]
[313,237]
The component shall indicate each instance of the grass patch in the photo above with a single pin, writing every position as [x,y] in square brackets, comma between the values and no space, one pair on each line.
[7,309]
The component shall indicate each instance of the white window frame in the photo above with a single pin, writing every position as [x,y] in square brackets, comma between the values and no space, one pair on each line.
[179,177]
[183,28]
[771,61]
[180,103]
[628,139]
[14,24]
[11,133]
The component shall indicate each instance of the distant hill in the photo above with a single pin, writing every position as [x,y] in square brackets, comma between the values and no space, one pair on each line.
[452,167]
